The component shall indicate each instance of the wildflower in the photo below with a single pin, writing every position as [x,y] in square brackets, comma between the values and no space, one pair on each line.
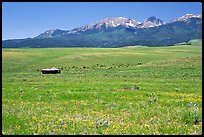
[91,123]
[64,126]
[18,126]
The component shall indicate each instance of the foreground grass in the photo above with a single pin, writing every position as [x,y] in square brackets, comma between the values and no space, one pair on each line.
[132,90]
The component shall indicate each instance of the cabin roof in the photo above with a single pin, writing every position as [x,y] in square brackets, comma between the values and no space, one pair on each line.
[48,69]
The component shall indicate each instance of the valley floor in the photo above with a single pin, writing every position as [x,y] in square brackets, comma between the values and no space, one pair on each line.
[130,90]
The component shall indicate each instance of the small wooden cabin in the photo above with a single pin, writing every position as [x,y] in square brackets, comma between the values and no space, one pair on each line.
[51,71]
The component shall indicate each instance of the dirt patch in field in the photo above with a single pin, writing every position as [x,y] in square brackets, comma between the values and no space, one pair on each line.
[111,53]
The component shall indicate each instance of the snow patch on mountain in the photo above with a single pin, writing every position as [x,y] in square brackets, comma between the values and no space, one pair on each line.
[188,16]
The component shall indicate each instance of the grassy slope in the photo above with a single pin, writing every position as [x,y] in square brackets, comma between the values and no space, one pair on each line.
[139,90]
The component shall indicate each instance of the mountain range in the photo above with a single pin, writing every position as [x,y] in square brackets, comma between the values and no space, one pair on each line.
[117,32]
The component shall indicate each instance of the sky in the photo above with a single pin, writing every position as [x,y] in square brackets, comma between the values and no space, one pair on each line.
[29,19]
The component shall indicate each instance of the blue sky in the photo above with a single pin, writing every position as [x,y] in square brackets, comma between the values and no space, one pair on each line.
[29,19]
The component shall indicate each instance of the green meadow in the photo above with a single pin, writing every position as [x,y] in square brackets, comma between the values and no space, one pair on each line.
[118,91]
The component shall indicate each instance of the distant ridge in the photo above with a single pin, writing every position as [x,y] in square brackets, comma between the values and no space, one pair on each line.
[118,32]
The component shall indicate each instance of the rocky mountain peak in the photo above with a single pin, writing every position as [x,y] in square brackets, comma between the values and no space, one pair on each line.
[109,23]
[188,16]
[117,21]
[151,22]
[152,18]
[51,33]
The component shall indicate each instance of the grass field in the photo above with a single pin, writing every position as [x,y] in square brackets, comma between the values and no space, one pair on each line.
[130,90]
